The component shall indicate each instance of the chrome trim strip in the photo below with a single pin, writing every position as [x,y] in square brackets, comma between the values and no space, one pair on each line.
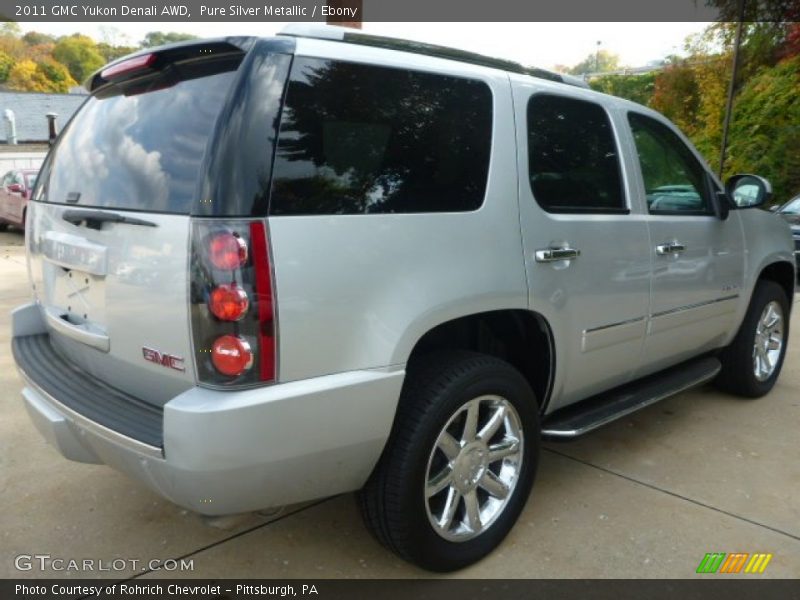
[560,433]
[691,306]
[609,326]
[93,427]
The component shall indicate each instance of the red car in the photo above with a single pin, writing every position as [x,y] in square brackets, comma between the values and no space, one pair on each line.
[15,190]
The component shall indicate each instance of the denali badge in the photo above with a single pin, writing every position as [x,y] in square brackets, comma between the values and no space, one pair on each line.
[165,360]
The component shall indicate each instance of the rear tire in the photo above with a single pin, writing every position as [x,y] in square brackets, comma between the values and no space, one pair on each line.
[3,226]
[752,362]
[459,464]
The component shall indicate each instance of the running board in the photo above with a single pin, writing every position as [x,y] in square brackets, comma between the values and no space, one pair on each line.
[589,414]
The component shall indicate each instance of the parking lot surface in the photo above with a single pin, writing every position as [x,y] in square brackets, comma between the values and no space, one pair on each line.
[647,496]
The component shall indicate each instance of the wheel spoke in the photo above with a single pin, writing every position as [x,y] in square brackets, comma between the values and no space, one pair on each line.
[502,449]
[471,423]
[450,507]
[774,343]
[473,510]
[439,482]
[493,485]
[771,318]
[767,363]
[493,424]
[448,445]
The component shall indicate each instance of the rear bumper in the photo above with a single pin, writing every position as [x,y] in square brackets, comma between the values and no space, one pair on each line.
[223,452]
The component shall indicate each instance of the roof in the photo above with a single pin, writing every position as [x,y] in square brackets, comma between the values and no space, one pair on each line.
[30,109]
[346,35]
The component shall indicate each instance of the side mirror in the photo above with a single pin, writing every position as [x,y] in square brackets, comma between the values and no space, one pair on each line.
[14,187]
[748,191]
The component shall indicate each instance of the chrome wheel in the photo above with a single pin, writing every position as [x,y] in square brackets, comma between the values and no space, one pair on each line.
[473,468]
[768,344]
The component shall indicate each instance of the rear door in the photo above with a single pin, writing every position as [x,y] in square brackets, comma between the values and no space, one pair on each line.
[585,241]
[109,227]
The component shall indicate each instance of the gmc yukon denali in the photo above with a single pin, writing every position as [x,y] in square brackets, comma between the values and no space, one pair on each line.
[267,270]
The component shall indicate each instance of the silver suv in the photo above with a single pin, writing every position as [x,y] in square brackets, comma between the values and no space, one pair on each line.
[271,270]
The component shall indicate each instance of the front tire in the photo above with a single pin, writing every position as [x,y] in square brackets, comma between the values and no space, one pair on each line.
[753,361]
[459,464]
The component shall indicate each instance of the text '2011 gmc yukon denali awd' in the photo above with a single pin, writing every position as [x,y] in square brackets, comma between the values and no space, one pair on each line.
[271,270]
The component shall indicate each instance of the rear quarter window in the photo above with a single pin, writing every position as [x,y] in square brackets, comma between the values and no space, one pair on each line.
[359,139]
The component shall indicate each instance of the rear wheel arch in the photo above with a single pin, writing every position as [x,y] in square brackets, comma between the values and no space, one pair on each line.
[522,338]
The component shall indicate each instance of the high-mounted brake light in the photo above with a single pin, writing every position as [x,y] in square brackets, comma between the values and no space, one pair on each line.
[228,302]
[128,66]
[227,251]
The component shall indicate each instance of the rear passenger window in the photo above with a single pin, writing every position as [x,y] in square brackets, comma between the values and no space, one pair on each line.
[359,139]
[572,156]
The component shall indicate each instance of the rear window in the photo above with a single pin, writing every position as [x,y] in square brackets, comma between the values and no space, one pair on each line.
[139,145]
[358,139]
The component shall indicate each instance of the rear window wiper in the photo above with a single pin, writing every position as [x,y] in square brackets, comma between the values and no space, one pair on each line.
[94,219]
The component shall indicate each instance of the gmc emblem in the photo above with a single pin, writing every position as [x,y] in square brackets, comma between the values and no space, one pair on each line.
[165,360]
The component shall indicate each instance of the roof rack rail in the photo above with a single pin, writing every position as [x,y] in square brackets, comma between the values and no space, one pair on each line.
[343,34]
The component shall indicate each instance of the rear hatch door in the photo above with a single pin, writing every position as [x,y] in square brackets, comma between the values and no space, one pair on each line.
[108,231]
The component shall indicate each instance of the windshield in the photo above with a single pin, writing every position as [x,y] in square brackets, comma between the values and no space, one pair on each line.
[792,207]
[138,145]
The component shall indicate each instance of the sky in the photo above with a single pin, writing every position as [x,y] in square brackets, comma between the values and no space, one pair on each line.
[538,44]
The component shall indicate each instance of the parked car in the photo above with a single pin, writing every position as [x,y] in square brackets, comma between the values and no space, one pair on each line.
[406,265]
[14,194]
[791,214]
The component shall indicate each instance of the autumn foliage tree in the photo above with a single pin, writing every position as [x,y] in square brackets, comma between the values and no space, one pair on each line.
[44,76]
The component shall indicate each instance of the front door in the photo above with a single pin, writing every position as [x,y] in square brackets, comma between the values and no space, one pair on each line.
[585,244]
[698,259]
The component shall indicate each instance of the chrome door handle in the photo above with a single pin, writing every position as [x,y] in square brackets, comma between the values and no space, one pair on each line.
[555,254]
[669,248]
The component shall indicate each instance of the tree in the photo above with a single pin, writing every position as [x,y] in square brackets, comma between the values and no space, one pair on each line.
[764,134]
[79,54]
[45,76]
[57,74]
[34,38]
[159,38]
[110,52]
[10,28]
[6,63]
[596,62]
[638,88]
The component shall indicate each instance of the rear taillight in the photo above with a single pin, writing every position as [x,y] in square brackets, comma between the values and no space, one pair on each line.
[232,302]
[231,355]
[227,250]
[228,302]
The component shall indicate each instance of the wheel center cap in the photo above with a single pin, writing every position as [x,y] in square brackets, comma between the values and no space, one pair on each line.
[469,466]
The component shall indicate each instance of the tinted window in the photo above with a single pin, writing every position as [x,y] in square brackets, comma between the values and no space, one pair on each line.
[363,139]
[139,145]
[674,180]
[572,156]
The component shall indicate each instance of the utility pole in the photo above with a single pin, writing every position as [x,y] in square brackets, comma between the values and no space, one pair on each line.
[731,88]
